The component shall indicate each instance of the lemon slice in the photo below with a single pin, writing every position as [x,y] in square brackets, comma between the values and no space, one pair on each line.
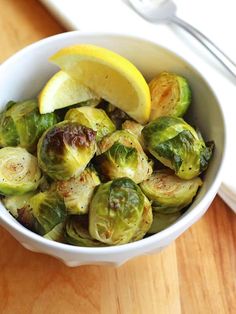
[109,75]
[62,91]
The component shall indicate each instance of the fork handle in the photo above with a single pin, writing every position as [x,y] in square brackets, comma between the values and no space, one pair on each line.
[219,54]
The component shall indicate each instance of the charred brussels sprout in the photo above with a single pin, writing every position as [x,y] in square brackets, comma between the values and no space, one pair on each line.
[77,192]
[162,221]
[76,232]
[123,156]
[65,150]
[21,124]
[93,118]
[178,146]
[168,192]
[116,211]
[19,171]
[170,95]
[48,210]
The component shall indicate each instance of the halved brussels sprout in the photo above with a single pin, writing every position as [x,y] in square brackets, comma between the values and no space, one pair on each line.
[19,171]
[145,222]
[21,124]
[65,150]
[76,232]
[135,128]
[162,221]
[168,192]
[56,234]
[77,192]
[122,156]
[170,95]
[48,210]
[116,211]
[15,202]
[93,118]
[178,146]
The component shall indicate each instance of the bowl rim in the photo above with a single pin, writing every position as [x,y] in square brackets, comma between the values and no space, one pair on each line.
[181,223]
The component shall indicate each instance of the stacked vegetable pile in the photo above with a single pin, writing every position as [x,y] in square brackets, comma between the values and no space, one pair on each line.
[104,171]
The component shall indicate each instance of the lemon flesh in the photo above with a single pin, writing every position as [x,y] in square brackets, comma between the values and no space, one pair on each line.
[62,91]
[109,75]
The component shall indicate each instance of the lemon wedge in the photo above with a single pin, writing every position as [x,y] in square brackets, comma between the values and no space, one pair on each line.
[62,91]
[109,75]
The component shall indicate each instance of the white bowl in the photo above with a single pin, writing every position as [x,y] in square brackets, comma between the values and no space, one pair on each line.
[24,74]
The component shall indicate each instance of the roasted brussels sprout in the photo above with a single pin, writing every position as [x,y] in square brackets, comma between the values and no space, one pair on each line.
[15,202]
[76,232]
[45,184]
[145,223]
[26,218]
[19,171]
[162,221]
[168,192]
[178,146]
[77,192]
[65,150]
[21,124]
[93,118]
[88,103]
[48,210]
[122,156]
[116,115]
[135,128]
[170,95]
[56,234]
[116,211]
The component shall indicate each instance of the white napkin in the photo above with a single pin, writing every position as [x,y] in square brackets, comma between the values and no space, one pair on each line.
[216,19]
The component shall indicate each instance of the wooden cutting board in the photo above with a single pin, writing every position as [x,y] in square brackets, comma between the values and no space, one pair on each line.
[196,274]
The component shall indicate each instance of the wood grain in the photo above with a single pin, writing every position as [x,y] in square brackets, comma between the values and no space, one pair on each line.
[196,274]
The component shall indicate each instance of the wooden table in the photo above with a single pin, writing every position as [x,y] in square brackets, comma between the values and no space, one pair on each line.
[196,274]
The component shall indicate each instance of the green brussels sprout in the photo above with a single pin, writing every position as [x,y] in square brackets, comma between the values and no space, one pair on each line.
[116,211]
[92,118]
[21,124]
[65,150]
[88,103]
[19,171]
[122,156]
[48,210]
[77,192]
[162,221]
[145,222]
[56,234]
[178,146]
[76,232]
[15,202]
[170,95]
[135,128]
[168,192]
[9,104]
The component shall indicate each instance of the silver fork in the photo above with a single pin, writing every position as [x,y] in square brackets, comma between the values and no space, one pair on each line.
[165,11]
